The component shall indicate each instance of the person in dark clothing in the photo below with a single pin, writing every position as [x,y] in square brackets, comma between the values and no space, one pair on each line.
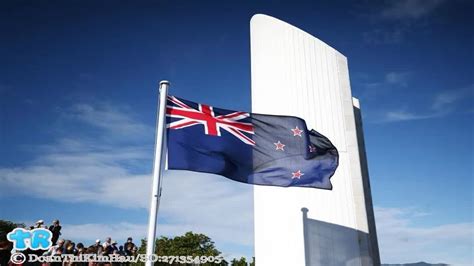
[55,229]
[128,247]
[113,247]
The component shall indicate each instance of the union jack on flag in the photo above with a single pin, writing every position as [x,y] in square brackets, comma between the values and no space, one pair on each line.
[213,124]
[246,147]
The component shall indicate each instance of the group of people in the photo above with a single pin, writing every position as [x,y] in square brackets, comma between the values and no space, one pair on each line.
[67,247]
[108,247]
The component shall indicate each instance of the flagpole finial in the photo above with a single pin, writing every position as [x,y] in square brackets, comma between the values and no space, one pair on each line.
[164,84]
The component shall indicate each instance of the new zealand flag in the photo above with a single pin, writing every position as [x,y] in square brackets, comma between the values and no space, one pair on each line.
[250,148]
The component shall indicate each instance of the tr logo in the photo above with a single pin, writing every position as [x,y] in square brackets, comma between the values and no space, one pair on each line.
[34,239]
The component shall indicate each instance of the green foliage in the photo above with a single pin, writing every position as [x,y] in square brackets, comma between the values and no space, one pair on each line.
[189,244]
[241,262]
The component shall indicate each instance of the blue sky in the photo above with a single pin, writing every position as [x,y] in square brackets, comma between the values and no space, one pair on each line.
[78,96]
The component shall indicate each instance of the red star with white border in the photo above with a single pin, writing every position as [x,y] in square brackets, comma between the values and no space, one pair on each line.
[296,132]
[297,174]
[279,146]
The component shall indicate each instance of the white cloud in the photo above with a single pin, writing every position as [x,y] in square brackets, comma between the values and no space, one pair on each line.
[397,78]
[409,9]
[394,20]
[119,120]
[393,116]
[443,104]
[85,170]
[82,176]
[373,88]
[446,99]
[400,241]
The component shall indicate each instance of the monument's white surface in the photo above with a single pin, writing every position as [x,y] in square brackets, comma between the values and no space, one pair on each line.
[294,73]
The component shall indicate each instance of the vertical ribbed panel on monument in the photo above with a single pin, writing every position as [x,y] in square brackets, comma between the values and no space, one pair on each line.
[294,73]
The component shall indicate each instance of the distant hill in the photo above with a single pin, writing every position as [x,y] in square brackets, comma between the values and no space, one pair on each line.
[417,264]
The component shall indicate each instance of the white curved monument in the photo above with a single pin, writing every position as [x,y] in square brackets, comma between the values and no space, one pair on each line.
[294,73]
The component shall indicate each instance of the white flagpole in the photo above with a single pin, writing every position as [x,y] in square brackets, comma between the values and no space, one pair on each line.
[158,167]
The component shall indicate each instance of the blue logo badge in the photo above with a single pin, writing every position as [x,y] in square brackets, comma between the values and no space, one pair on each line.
[35,239]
